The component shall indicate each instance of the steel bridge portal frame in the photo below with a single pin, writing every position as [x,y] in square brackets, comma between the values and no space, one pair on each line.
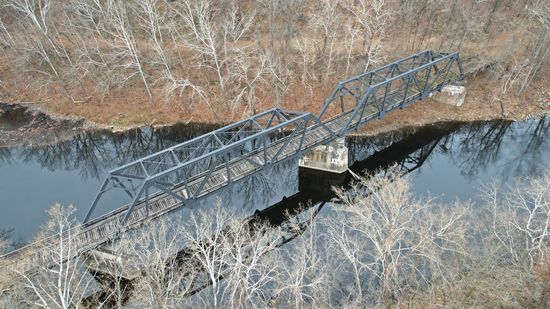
[357,101]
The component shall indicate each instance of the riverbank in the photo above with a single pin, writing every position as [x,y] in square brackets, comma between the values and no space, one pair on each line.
[483,102]
[32,124]
[23,125]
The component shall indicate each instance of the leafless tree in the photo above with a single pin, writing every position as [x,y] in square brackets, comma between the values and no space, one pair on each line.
[252,70]
[229,258]
[38,38]
[153,251]
[472,16]
[124,45]
[6,38]
[283,20]
[250,272]
[153,22]
[392,244]
[352,31]
[214,34]
[63,284]
[208,242]
[540,43]
[306,60]
[521,218]
[302,273]
[325,21]
[373,18]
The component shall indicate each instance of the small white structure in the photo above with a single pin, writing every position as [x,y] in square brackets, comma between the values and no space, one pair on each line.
[332,157]
[451,94]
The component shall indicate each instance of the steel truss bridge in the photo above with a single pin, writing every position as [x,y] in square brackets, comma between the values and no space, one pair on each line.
[177,176]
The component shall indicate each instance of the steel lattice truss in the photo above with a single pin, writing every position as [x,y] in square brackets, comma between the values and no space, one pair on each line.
[175,176]
[199,166]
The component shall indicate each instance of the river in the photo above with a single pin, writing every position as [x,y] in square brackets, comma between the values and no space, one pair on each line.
[448,161]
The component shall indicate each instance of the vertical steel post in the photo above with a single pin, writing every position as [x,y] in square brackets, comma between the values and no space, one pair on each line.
[134,203]
[382,112]
[147,201]
[228,171]
[303,135]
[407,84]
[425,91]
[448,69]
[96,200]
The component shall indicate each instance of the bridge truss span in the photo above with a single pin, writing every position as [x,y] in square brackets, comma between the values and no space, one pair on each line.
[195,168]
[374,93]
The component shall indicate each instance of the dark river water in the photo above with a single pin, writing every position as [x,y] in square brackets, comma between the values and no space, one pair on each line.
[449,161]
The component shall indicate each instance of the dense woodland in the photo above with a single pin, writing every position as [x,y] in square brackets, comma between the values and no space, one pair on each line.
[227,59]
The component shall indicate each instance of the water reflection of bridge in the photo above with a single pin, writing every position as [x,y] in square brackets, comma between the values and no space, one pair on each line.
[180,175]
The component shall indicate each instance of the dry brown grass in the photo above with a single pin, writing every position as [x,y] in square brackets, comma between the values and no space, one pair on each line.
[131,106]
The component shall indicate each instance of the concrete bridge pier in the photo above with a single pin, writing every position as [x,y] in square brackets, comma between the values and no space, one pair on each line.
[324,167]
[332,157]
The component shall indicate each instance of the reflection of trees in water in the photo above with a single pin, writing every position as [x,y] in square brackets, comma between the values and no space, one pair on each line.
[261,187]
[361,147]
[6,155]
[479,145]
[90,152]
[96,151]
[474,148]
[531,157]
[255,189]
